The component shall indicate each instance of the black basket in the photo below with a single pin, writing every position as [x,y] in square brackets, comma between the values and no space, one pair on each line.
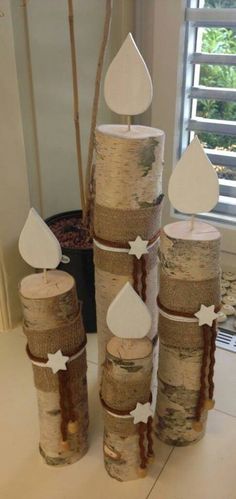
[80,266]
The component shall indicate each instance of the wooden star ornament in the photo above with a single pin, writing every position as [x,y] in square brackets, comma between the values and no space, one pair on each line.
[138,247]
[57,361]
[206,315]
[141,413]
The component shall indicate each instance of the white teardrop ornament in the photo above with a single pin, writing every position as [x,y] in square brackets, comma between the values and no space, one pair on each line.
[37,244]
[128,316]
[194,186]
[128,85]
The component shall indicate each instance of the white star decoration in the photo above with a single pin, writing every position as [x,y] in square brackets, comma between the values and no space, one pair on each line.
[57,361]
[141,413]
[138,247]
[206,315]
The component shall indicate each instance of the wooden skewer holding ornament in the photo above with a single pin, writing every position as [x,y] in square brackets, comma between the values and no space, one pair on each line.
[128,85]
[55,345]
[126,388]
[194,186]
[129,195]
[189,299]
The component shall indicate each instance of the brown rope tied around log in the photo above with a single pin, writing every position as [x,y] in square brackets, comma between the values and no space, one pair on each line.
[68,414]
[139,266]
[209,347]
[142,450]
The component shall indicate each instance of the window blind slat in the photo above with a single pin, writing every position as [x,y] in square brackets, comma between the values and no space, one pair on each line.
[202,58]
[225,209]
[215,126]
[223,94]
[221,158]
[214,17]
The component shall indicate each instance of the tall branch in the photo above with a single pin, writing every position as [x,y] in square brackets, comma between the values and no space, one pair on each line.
[76,102]
[103,46]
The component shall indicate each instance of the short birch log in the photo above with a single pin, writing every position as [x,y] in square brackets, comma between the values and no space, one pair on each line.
[52,322]
[189,277]
[126,380]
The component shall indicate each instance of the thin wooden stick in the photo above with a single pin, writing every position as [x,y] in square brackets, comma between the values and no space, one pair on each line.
[76,102]
[105,37]
[32,103]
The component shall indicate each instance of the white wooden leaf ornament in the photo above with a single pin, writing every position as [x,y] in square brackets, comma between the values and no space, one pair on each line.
[128,316]
[128,85]
[37,244]
[194,185]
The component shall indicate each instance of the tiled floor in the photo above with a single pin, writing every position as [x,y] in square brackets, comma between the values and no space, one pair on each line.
[206,470]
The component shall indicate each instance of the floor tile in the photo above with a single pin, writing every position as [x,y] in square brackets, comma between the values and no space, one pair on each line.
[225,382]
[23,473]
[205,470]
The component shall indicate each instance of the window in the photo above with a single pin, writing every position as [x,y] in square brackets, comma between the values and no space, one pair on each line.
[209,102]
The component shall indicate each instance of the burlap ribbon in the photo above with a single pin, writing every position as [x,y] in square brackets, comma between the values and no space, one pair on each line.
[174,293]
[124,225]
[67,338]
[119,395]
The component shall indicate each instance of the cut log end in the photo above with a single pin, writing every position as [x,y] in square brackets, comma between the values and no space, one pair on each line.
[34,286]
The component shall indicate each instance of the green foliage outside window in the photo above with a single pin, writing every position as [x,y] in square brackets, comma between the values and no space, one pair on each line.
[218,41]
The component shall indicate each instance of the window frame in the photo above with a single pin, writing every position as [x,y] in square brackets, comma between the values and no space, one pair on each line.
[167,65]
[197,17]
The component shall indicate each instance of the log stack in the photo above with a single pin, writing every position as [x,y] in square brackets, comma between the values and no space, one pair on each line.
[53,325]
[189,279]
[128,202]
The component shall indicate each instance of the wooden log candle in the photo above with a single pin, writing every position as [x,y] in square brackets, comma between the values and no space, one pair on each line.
[126,382]
[129,163]
[127,214]
[189,298]
[126,388]
[56,344]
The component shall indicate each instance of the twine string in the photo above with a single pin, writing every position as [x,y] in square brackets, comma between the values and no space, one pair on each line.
[143,278]
[202,392]
[66,402]
[62,378]
[142,450]
[135,274]
[212,360]
[150,452]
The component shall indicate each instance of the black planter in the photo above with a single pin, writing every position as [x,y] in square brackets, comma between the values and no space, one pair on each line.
[80,266]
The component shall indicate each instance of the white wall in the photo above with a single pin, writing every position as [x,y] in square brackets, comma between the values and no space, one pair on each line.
[51,90]
[14,193]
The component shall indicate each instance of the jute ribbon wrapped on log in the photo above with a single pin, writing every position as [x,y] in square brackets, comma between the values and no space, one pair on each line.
[126,380]
[189,278]
[127,204]
[52,324]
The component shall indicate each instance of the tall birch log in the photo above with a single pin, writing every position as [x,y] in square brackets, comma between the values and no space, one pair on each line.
[128,199]
[190,277]
[52,322]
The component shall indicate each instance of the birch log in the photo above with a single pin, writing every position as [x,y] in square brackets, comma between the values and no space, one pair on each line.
[52,322]
[190,277]
[126,380]
[127,204]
